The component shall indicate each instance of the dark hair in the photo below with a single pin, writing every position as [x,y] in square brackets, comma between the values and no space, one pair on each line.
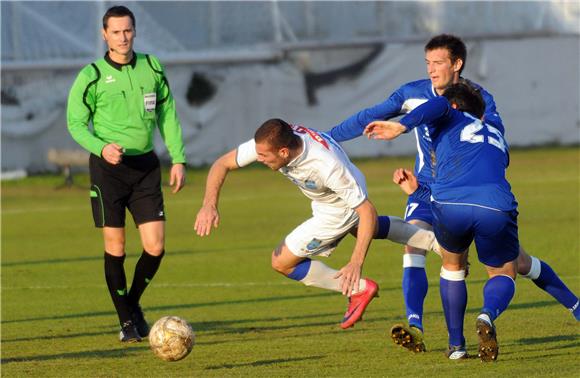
[118,11]
[467,98]
[451,43]
[277,133]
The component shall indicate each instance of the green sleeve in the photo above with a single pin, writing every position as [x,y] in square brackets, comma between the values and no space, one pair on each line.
[167,119]
[80,107]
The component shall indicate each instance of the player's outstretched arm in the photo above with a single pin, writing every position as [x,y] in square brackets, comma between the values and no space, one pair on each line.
[208,215]
[384,130]
[351,272]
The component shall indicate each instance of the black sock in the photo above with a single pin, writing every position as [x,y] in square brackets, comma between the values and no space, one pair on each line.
[144,271]
[117,284]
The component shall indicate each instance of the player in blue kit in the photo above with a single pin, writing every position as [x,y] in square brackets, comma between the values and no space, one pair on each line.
[471,200]
[445,57]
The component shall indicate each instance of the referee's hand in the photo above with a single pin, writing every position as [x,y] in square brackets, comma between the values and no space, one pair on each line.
[177,177]
[112,153]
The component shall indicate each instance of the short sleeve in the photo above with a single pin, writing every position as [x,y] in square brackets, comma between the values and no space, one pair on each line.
[246,153]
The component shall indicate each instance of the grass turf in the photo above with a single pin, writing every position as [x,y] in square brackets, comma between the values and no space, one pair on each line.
[58,320]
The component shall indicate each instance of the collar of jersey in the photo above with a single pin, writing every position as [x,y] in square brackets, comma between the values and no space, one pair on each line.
[298,159]
[118,66]
[434,91]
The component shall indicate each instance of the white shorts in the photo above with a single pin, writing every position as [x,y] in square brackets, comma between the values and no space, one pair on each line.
[320,235]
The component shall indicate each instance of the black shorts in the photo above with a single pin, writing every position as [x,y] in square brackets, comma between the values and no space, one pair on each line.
[135,184]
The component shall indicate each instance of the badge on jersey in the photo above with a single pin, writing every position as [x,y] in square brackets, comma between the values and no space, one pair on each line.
[314,243]
[150,101]
[310,184]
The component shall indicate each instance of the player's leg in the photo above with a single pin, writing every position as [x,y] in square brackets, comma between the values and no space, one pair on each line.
[408,233]
[416,234]
[319,236]
[453,291]
[309,272]
[114,238]
[546,279]
[109,192]
[414,282]
[496,240]
[146,206]
[497,294]
[454,231]
[152,238]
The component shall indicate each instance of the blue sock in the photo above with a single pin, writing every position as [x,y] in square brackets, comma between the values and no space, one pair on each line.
[497,294]
[415,286]
[553,285]
[300,270]
[384,227]
[454,300]
[576,310]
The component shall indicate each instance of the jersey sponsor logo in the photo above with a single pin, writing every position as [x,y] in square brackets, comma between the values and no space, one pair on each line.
[109,79]
[314,135]
[150,101]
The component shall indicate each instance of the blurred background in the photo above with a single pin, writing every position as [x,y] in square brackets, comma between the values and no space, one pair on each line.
[232,65]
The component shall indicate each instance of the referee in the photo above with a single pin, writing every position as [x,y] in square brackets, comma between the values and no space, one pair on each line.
[126,95]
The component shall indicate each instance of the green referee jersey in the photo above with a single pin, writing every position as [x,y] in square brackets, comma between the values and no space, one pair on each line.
[125,104]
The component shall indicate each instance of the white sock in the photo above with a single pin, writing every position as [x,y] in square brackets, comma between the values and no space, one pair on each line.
[485,318]
[535,269]
[322,276]
[414,236]
[452,275]
[411,260]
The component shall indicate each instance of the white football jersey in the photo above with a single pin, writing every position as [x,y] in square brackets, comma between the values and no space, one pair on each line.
[322,171]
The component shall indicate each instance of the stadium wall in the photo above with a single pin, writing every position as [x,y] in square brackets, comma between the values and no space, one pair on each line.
[535,82]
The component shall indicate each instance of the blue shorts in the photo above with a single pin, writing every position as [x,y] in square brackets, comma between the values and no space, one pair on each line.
[418,209]
[495,232]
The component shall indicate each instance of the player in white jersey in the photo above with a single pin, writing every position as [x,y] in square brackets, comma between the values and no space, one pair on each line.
[320,168]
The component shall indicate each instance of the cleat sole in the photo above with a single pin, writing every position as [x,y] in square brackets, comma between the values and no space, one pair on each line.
[488,348]
[408,338]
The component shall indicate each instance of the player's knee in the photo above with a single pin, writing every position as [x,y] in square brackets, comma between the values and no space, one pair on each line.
[115,245]
[454,264]
[279,266]
[524,263]
[508,269]
[276,264]
[154,247]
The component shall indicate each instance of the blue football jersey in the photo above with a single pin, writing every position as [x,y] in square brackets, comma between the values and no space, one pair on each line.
[402,101]
[471,157]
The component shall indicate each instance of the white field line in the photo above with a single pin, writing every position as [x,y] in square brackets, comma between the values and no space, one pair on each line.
[234,198]
[373,191]
[163,285]
[389,283]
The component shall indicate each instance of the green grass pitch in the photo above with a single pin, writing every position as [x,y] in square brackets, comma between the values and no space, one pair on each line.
[58,321]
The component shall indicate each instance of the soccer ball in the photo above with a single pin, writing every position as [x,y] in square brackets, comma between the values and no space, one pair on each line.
[171,338]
